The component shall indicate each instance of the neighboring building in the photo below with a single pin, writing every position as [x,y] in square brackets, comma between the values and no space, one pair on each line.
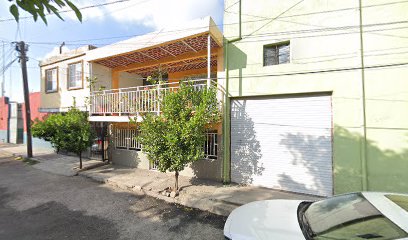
[63,79]
[35,104]
[4,119]
[64,83]
[12,120]
[318,102]
[119,89]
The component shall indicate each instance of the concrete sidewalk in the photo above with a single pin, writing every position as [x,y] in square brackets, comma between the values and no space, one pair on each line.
[195,193]
[48,160]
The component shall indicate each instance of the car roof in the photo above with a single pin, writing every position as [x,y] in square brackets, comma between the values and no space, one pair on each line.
[388,208]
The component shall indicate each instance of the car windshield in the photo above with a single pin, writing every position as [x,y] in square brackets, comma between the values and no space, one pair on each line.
[349,216]
[401,201]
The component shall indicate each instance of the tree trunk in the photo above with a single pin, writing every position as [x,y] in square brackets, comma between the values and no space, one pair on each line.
[80,160]
[176,187]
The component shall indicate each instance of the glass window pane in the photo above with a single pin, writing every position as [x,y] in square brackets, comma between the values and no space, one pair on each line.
[75,75]
[51,79]
[270,56]
[350,216]
[400,200]
[377,227]
[284,53]
[54,79]
[276,54]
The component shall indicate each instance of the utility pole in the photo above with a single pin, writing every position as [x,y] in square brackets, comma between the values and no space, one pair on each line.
[22,48]
[3,71]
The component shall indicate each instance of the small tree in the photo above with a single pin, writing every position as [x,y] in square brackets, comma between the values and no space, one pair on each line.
[177,136]
[70,131]
[50,129]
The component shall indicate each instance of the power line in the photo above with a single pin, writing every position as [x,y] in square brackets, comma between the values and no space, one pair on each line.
[321,71]
[319,26]
[274,18]
[4,69]
[253,38]
[319,12]
[225,24]
[70,10]
[230,6]
[301,31]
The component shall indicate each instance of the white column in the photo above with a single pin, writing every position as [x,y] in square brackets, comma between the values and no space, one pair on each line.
[91,98]
[209,61]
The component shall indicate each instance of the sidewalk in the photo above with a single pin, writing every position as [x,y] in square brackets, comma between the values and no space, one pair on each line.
[48,160]
[195,193]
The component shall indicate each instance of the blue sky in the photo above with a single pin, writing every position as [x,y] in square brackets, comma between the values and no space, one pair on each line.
[115,21]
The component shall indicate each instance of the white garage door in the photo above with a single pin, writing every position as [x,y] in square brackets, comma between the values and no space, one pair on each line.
[283,143]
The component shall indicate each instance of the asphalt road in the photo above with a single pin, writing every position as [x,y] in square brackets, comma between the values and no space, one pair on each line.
[39,205]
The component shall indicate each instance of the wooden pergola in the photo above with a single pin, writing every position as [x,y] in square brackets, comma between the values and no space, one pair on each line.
[195,47]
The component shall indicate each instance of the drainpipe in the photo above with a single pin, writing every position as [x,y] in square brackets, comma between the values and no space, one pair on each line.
[363,152]
[227,107]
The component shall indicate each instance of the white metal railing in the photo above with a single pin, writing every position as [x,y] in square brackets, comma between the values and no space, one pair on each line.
[125,138]
[211,145]
[129,101]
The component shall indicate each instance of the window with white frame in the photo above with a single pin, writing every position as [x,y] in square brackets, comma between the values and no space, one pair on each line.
[125,138]
[276,54]
[75,79]
[51,80]
[211,145]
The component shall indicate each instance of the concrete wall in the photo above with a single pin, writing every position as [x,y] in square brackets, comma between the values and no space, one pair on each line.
[127,80]
[205,169]
[130,158]
[321,57]
[103,76]
[64,98]
[35,104]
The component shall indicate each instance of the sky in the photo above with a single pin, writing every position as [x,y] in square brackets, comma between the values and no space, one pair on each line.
[100,26]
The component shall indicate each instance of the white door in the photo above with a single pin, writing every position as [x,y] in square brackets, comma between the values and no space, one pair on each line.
[283,143]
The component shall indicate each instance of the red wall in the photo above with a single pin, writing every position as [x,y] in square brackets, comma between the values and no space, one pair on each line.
[4,108]
[35,100]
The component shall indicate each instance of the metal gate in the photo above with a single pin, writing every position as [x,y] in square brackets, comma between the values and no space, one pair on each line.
[100,147]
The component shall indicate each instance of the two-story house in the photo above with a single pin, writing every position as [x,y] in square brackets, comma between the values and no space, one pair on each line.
[317,95]
[118,90]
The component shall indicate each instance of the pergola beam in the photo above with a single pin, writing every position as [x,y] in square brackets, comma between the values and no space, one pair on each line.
[188,45]
[166,60]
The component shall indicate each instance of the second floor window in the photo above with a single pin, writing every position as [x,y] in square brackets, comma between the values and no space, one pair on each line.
[75,76]
[51,80]
[277,54]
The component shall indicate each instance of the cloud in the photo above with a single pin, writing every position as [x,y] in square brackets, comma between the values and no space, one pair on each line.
[156,14]
[54,52]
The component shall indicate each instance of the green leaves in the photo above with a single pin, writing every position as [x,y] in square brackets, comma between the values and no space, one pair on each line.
[69,131]
[14,12]
[176,137]
[41,8]
[76,10]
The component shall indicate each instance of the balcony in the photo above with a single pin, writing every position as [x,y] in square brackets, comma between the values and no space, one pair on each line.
[133,101]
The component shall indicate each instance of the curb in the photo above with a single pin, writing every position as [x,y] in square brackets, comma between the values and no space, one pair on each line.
[219,207]
[92,166]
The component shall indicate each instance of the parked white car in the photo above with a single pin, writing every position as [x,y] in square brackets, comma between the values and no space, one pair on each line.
[365,215]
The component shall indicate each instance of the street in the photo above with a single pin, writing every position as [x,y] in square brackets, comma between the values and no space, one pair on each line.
[39,205]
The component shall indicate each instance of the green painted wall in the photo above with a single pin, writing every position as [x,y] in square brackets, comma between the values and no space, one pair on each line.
[318,44]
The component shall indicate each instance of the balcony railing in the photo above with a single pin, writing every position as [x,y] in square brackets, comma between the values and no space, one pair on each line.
[133,100]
